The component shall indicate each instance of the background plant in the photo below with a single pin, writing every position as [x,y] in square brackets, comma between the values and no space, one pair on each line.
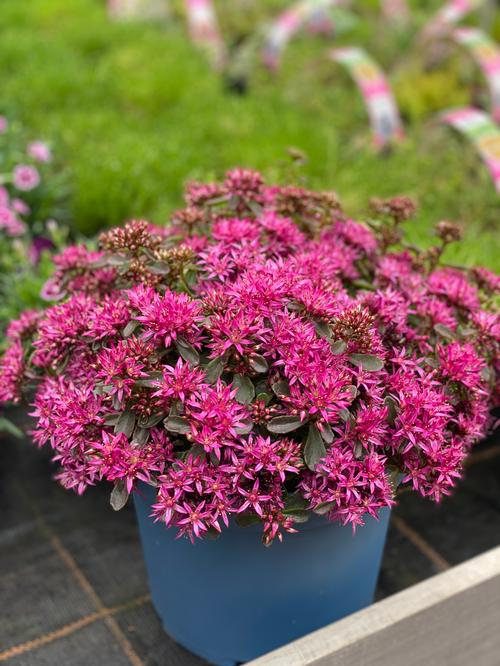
[122,102]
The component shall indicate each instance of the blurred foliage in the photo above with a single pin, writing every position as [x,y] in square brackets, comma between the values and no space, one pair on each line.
[136,111]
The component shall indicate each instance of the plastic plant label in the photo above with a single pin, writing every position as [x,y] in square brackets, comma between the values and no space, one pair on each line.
[451,12]
[311,13]
[138,9]
[379,101]
[487,54]
[396,11]
[204,29]
[482,132]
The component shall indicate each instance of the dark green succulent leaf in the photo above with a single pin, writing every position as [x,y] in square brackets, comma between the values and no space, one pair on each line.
[263,397]
[324,508]
[281,388]
[10,428]
[130,328]
[187,351]
[246,389]
[178,424]
[245,428]
[150,421]
[284,424]
[246,519]
[118,260]
[119,496]
[214,370]
[258,363]
[338,347]
[314,448]
[295,502]
[112,419]
[141,435]
[326,433]
[445,332]
[126,423]
[368,362]
[159,268]
[322,329]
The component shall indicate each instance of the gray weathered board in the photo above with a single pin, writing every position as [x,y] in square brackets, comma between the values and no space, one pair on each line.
[452,619]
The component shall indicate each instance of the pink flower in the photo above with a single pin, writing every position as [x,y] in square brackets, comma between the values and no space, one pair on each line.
[26,177]
[39,151]
[4,124]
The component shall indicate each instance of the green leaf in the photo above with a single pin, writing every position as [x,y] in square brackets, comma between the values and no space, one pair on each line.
[284,424]
[141,436]
[338,347]
[392,407]
[368,362]
[126,423]
[246,519]
[322,329]
[255,207]
[246,389]
[178,424]
[214,370]
[151,380]
[159,268]
[245,428]
[258,363]
[10,428]
[263,397]
[314,448]
[326,433]
[324,507]
[130,328]
[281,388]
[116,260]
[445,332]
[119,496]
[112,419]
[151,421]
[295,502]
[187,351]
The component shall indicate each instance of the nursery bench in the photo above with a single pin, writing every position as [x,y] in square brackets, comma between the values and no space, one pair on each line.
[451,618]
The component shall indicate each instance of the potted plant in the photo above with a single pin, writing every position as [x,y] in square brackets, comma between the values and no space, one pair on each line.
[266,362]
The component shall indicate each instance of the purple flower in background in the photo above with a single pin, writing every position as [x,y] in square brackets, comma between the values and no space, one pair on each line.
[4,124]
[39,151]
[26,177]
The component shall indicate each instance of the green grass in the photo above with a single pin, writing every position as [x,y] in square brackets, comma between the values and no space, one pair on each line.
[135,112]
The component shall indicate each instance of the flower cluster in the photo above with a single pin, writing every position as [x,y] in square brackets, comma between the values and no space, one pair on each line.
[21,177]
[263,358]
[31,195]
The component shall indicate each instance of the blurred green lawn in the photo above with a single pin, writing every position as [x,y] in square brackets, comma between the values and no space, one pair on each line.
[135,111]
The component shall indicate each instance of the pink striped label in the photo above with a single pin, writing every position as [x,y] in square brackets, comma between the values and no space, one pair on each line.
[487,55]
[204,28]
[380,103]
[482,132]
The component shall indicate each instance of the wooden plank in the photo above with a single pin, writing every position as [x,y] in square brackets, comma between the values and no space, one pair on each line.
[452,619]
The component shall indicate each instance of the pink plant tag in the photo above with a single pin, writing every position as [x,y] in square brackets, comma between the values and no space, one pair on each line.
[305,13]
[482,132]
[138,9]
[487,54]
[204,29]
[376,91]
[396,11]
[450,13]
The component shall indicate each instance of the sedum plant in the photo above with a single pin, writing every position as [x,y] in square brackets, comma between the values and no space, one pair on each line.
[261,359]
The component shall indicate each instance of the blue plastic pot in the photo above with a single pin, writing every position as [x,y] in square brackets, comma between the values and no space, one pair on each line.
[231,600]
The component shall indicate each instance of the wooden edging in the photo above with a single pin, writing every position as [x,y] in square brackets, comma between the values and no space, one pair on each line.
[451,619]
